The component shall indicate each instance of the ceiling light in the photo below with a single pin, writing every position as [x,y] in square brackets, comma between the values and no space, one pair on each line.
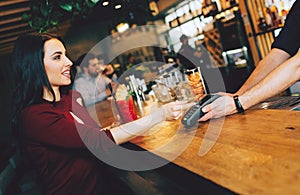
[153,7]
[105,3]
[122,27]
[118,6]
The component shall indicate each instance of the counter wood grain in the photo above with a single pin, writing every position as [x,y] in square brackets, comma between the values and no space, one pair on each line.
[256,152]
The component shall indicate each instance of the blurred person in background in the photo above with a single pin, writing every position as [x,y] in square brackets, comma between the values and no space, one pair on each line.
[132,61]
[92,84]
[188,56]
[109,69]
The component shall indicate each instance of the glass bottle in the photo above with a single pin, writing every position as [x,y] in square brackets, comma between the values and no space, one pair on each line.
[268,17]
[232,2]
[262,24]
[283,12]
[274,14]
[223,4]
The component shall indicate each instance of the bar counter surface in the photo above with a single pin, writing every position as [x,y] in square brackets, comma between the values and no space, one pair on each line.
[255,153]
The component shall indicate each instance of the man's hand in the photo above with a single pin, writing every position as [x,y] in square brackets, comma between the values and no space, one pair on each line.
[107,92]
[109,69]
[220,107]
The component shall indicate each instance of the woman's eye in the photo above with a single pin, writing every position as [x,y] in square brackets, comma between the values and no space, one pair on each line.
[58,57]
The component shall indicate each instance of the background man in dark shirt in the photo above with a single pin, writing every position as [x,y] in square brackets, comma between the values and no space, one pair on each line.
[187,55]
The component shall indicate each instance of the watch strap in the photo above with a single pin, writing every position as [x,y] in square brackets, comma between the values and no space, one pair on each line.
[238,104]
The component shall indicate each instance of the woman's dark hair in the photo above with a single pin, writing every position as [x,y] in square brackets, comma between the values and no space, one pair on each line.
[29,74]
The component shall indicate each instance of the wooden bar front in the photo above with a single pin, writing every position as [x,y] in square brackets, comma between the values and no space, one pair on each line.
[255,153]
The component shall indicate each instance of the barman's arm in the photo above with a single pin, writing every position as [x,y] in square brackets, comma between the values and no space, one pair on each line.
[264,67]
[275,82]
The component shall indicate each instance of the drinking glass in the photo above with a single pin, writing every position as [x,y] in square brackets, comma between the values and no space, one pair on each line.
[162,93]
[194,78]
[127,110]
[183,91]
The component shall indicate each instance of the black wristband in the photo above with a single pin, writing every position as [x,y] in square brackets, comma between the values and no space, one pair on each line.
[238,104]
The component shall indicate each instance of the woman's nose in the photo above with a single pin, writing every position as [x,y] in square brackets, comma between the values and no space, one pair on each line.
[68,62]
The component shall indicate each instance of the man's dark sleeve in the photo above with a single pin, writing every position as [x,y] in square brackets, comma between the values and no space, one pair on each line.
[289,38]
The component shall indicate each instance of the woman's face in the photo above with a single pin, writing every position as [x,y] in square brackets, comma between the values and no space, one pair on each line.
[56,63]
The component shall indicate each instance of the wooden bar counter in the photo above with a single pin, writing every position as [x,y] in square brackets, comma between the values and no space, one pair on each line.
[255,153]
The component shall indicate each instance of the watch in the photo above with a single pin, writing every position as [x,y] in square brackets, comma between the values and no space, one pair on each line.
[238,104]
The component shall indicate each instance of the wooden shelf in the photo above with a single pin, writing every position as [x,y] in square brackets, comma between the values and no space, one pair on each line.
[213,35]
[222,11]
[213,46]
[268,30]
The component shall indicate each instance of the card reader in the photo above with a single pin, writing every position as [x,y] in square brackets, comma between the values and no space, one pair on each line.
[191,117]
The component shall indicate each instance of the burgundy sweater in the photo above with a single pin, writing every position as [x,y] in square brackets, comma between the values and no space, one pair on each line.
[54,143]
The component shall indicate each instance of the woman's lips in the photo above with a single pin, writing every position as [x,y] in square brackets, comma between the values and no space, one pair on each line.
[66,73]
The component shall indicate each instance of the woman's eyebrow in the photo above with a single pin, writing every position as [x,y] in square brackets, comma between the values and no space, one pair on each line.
[57,52]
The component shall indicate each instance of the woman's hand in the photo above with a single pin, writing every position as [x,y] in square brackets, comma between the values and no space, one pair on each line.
[174,110]
[222,106]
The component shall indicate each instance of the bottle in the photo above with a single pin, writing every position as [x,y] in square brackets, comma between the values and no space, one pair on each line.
[283,12]
[205,8]
[223,4]
[268,17]
[188,15]
[213,8]
[274,14]
[232,2]
[134,89]
[227,3]
[262,24]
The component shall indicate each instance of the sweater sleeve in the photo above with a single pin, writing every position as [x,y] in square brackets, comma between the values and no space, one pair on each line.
[289,40]
[56,129]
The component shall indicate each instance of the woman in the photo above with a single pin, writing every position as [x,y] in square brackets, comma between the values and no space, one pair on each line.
[55,129]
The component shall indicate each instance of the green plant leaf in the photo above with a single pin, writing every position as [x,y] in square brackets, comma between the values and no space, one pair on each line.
[94,1]
[30,23]
[54,22]
[35,10]
[26,16]
[44,10]
[48,13]
[78,6]
[56,14]
[90,3]
[66,7]
[130,93]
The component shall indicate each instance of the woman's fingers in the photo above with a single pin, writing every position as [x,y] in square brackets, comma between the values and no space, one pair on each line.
[182,106]
[175,109]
